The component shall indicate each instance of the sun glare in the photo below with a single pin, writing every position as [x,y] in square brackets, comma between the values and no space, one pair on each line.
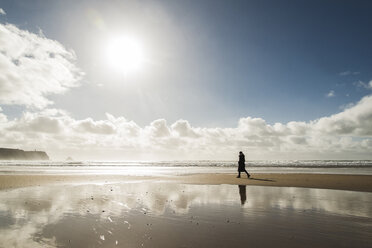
[125,54]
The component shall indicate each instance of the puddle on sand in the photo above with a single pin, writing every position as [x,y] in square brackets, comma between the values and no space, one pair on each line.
[178,215]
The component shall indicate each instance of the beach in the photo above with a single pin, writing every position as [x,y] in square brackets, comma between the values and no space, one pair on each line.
[322,181]
[186,210]
[185,124]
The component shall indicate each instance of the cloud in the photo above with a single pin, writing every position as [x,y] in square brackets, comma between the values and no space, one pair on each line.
[158,128]
[362,84]
[356,120]
[95,127]
[347,134]
[346,73]
[3,117]
[35,123]
[331,94]
[2,12]
[33,67]
[184,129]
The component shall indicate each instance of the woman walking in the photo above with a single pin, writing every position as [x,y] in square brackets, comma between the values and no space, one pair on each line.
[242,164]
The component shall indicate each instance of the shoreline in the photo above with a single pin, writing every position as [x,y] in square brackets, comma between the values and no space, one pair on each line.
[362,183]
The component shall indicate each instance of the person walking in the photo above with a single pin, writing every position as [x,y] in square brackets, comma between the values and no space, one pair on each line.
[241,164]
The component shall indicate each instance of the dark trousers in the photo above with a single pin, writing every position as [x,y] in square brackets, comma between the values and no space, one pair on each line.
[242,168]
[245,172]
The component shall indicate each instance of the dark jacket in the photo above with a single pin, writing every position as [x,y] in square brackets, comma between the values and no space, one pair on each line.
[241,162]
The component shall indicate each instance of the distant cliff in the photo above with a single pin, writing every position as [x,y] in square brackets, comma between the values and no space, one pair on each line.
[17,154]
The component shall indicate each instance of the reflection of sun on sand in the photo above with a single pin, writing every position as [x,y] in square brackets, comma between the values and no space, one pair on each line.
[325,181]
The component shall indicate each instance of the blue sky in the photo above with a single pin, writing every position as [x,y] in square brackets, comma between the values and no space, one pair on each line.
[210,62]
[271,59]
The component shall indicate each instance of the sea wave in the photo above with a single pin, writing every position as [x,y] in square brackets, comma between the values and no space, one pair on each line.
[201,163]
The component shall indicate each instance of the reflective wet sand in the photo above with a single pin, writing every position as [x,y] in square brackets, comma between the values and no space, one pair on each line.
[153,214]
[322,181]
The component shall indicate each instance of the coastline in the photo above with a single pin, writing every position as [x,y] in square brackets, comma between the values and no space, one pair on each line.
[362,183]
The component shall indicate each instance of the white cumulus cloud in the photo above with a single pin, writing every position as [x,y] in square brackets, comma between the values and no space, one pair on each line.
[33,67]
[356,120]
[347,134]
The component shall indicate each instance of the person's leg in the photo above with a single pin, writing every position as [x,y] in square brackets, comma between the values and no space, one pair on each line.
[238,175]
[247,173]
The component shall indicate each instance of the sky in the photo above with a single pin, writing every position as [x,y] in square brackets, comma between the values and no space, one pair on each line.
[173,80]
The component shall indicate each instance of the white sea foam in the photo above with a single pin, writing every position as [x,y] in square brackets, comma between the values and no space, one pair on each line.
[185,167]
[199,163]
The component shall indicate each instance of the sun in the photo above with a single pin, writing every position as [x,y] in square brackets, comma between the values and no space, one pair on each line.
[125,54]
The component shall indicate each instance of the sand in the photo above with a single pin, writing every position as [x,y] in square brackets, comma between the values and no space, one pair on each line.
[361,183]
[201,210]
[161,212]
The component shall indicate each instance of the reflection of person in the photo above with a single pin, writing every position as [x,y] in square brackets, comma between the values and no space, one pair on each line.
[242,164]
[243,194]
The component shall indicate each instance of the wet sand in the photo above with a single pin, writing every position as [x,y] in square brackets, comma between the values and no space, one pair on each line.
[166,213]
[190,210]
[322,181]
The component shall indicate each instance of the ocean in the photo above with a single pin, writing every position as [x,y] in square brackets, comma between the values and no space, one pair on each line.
[158,168]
